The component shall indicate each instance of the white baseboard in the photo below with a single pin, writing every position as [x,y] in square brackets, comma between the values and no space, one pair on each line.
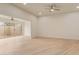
[69,38]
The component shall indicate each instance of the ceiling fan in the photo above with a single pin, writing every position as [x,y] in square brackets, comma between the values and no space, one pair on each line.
[53,7]
[11,22]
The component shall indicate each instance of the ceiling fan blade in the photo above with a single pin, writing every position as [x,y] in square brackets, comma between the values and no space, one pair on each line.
[57,9]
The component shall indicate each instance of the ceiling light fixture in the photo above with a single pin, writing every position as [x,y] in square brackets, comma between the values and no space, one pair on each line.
[77,6]
[51,10]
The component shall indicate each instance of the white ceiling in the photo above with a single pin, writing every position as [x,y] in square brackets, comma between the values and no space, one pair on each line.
[7,19]
[35,8]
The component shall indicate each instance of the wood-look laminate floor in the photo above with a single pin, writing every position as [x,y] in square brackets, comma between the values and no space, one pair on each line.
[39,46]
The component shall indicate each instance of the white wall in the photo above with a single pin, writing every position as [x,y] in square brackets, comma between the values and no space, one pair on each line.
[34,27]
[27,29]
[59,26]
[50,26]
[10,10]
[71,25]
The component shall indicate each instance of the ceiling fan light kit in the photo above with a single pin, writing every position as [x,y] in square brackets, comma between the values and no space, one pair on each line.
[53,8]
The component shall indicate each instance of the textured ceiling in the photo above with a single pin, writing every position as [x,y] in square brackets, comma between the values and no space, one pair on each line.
[42,9]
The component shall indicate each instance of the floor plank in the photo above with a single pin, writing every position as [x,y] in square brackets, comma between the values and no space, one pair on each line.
[39,46]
